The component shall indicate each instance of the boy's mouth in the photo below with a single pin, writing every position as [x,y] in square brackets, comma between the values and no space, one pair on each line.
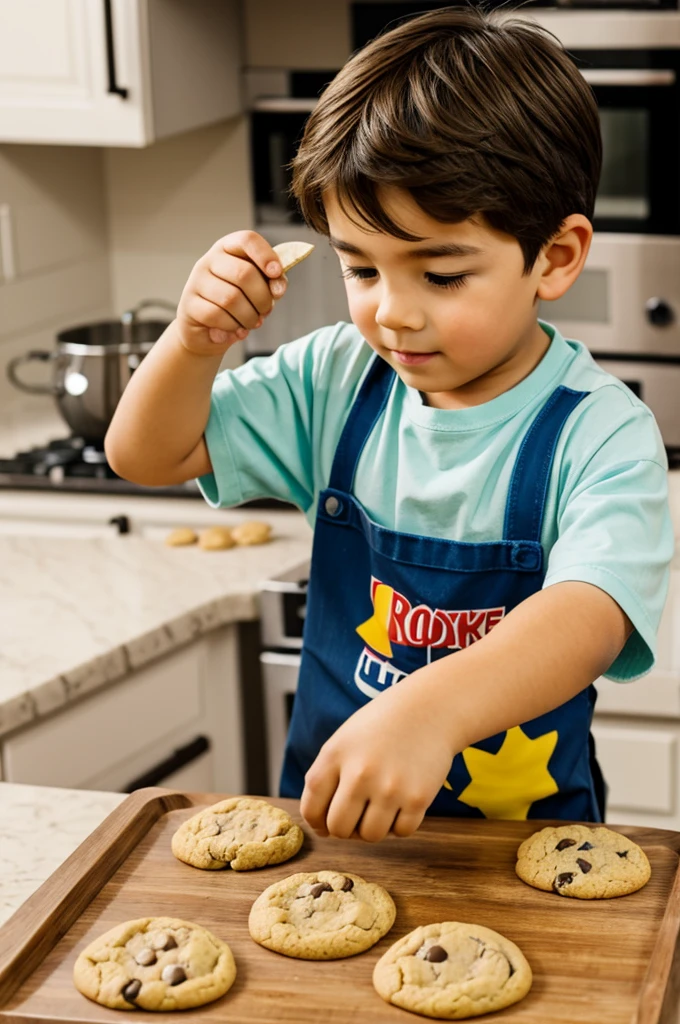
[412,358]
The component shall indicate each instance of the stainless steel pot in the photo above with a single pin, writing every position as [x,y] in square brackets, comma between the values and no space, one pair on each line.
[91,366]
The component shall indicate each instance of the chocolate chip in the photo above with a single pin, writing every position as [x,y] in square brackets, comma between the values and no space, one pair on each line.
[170,943]
[320,887]
[623,853]
[347,885]
[173,974]
[564,879]
[146,957]
[436,954]
[564,843]
[586,846]
[131,990]
[584,865]
[158,940]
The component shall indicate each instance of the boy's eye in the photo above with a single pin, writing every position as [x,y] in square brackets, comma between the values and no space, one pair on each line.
[447,280]
[438,280]
[362,273]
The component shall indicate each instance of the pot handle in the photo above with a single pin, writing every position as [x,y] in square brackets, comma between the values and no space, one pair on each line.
[32,389]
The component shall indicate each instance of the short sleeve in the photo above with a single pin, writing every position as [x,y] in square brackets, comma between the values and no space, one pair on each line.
[615,532]
[264,432]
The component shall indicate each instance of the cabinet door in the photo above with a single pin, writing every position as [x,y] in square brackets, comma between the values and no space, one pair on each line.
[61,64]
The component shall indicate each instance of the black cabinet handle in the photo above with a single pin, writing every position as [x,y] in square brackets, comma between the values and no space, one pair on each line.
[179,759]
[118,90]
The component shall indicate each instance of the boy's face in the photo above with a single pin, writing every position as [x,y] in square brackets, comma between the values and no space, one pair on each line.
[460,327]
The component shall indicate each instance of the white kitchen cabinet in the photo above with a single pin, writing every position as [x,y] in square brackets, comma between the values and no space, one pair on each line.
[639,760]
[136,725]
[116,72]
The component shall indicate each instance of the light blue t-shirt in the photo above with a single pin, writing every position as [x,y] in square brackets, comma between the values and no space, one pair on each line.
[275,423]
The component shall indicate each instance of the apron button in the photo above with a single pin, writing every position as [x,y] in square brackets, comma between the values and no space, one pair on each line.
[526,557]
[332,505]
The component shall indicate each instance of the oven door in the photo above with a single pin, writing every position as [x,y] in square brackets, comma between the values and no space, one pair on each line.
[638,96]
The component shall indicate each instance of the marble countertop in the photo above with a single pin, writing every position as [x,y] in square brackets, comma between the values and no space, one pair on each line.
[62,818]
[80,611]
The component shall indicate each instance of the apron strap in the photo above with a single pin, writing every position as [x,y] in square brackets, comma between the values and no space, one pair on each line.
[363,416]
[531,475]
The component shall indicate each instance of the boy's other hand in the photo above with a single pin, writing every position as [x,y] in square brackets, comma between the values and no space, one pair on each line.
[230,291]
[380,771]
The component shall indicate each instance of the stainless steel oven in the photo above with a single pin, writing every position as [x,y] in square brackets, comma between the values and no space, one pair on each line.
[283,607]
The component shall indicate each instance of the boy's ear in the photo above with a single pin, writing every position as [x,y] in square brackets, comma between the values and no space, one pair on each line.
[563,257]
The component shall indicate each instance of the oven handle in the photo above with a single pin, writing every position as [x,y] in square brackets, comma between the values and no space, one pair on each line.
[628,76]
[178,759]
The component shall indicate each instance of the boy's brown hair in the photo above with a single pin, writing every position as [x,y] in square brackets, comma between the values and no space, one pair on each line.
[469,112]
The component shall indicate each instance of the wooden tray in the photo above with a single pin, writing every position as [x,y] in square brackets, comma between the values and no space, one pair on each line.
[599,961]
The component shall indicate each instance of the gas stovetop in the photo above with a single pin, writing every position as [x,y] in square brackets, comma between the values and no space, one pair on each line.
[72,464]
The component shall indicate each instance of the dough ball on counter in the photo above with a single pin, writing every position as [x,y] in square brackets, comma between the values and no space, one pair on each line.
[180,537]
[252,533]
[216,538]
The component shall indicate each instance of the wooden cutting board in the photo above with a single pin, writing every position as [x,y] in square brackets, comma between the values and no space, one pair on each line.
[600,961]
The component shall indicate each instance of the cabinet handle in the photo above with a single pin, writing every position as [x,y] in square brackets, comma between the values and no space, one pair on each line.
[118,90]
[179,759]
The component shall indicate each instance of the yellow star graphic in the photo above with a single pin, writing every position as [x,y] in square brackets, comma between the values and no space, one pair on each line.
[506,784]
[375,631]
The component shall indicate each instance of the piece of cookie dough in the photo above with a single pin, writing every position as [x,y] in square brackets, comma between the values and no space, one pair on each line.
[252,532]
[322,915]
[241,832]
[181,536]
[155,963]
[587,863]
[292,253]
[452,971]
[216,538]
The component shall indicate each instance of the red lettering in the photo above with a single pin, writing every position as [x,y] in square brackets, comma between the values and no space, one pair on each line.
[446,636]
[469,626]
[422,626]
[398,629]
[419,624]
[493,617]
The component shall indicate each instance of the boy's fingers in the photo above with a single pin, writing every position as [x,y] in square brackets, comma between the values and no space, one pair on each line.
[207,314]
[255,248]
[376,822]
[344,813]
[229,272]
[407,822]
[316,797]
[229,298]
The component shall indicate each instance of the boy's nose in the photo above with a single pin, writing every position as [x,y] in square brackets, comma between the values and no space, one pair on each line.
[396,313]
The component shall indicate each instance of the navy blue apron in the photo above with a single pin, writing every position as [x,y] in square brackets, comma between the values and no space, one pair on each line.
[382,604]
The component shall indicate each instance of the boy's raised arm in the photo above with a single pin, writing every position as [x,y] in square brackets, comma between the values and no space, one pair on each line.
[156,435]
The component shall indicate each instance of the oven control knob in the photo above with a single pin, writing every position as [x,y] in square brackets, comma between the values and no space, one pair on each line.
[659,312]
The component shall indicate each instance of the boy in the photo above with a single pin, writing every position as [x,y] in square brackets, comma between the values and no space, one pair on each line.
[490,507]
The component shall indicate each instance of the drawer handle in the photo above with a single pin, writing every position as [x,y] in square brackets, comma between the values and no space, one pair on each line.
[114,88]
[179,759]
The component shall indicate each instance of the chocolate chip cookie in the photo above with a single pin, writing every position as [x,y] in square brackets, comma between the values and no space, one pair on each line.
[324,915]
[155,963]
[587,863]
[240,832]
[452,971]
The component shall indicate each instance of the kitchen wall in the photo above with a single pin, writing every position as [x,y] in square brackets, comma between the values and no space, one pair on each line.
[97,230]
[61,272]
[168,203]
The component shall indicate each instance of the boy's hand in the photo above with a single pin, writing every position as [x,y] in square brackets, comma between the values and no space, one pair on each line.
[381,770]
[229,292]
